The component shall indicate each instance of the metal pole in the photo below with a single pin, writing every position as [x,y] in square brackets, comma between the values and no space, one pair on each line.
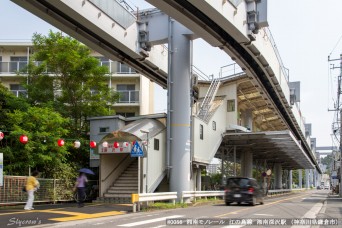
[234,161]
[139,177]
[340,188]
[147,163]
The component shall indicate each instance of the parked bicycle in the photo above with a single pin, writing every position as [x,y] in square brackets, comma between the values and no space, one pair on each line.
[91,193]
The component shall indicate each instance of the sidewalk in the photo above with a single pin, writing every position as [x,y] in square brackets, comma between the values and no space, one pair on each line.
[332,209]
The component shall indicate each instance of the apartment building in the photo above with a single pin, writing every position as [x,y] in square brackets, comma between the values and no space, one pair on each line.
[137,91]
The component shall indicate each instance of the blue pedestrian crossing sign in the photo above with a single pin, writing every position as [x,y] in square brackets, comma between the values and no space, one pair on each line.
[137,151]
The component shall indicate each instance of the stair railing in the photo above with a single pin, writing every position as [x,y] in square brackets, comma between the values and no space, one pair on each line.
[116,167]
[208,99]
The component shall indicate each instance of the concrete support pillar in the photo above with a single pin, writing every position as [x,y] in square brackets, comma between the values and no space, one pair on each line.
[311,177]
[198,180]
[247,164]
[300,178]
[278,176]
[290,179]
[307,176]
[223,171]
[179,76]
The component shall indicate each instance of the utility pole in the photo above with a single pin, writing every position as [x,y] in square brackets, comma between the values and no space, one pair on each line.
[337,108]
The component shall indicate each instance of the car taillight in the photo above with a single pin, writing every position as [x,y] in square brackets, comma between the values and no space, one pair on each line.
[251,189]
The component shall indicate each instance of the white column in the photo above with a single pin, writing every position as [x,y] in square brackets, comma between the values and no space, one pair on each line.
[300,178]
[278,176]
[247,164]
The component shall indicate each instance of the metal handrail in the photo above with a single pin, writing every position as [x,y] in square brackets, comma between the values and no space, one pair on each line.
[115,168]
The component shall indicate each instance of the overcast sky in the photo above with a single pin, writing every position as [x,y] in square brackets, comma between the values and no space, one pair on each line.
[305,32]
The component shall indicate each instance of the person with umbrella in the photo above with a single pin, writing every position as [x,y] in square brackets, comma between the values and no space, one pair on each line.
[81,185]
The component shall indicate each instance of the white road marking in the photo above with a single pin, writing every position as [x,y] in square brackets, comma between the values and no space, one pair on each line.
[312,213]
[151,221]
[264,214]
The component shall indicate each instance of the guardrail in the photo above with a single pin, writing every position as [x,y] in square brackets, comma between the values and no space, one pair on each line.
[161,196]
[194,194]
[283,191]
[147,197]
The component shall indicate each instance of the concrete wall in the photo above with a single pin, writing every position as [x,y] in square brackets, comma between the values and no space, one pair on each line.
[112,123]
[156,161]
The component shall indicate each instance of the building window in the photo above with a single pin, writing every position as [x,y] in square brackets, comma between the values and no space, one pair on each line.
[126,114]
[18,90]
[93,91]
[231,105]
[125,69]
[128,94]
[104,129]
[105,62]
[214,125]
[201,131]
[17,63]
[156,144]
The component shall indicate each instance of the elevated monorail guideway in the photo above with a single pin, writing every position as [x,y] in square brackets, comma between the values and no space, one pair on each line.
[234,27]
[112,33]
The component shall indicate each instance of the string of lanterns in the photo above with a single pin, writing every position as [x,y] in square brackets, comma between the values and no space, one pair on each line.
[60,142]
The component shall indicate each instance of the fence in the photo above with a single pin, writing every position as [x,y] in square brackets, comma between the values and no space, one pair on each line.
[50,190]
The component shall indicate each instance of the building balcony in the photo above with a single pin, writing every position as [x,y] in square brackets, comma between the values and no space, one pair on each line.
[128,97]
[13,67]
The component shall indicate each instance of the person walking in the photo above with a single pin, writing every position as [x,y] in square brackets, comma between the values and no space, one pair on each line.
[32,184]
[81,186]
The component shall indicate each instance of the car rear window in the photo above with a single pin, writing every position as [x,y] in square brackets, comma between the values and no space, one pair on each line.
[237,182]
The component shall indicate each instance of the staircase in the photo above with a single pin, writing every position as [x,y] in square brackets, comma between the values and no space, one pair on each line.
[123,187]
[206,105]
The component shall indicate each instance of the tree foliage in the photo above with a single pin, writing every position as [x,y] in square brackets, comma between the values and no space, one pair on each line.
[65,85]
[43,127]
[69,80]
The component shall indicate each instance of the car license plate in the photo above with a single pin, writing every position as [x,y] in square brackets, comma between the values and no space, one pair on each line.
[237,195]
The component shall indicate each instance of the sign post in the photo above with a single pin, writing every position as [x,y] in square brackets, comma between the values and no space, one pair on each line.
[137,152]
[1,169]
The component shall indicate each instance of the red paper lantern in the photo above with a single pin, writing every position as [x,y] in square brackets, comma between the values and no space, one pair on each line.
[92,144]
[60,142]
[77,144]
[1,135]
[116,145]
[23,139]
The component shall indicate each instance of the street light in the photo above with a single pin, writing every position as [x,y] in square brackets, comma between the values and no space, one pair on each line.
[147,141]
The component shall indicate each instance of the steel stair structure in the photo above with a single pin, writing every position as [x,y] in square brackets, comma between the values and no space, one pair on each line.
[204,111]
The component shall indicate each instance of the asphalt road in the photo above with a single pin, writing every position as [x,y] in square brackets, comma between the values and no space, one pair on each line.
[289,209]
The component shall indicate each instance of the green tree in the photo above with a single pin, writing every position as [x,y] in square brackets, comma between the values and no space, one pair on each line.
[328,161]
[8,103]
[79,85]
[43,127]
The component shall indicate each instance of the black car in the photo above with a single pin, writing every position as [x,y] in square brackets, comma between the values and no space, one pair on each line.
[243,190]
